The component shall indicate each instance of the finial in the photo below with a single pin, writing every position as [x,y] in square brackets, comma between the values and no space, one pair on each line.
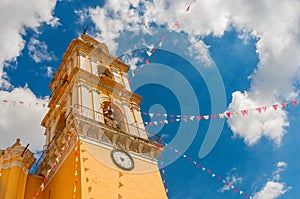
[17,143]
[85,29]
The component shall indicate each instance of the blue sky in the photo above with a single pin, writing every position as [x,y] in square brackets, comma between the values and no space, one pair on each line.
[224,56]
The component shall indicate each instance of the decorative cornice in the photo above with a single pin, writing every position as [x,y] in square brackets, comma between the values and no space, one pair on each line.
[15,164]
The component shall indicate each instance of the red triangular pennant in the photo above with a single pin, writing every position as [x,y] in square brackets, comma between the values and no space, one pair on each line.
[188,8]
[284,104]
[244,112]
[163,37]
[294,102]
[259,109]
[228,114]
[147,61]
[36,195]
[275,106]
[177,24]
[264,108]
[213,116]
[199,117]
[185,118]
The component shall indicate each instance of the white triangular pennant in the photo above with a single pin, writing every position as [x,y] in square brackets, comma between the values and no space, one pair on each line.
[160,44]
[192,117]
[206,117]
[165,115]
[221,115]
[213,175]
[151,114]
[48,172]
[42,186]
[155,123]
[149,53]
[203,168]
[166,121]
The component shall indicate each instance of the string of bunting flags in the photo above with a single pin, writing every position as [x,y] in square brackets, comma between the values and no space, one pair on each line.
[199,166]
[25,103]
[171,118]
[153,50]
[164,176]
[62,152]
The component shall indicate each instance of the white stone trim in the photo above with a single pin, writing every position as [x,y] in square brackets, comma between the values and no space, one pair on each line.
[15,164]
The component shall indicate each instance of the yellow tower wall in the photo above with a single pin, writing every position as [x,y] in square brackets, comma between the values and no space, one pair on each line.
[33,185]
[62,184]
[101,179]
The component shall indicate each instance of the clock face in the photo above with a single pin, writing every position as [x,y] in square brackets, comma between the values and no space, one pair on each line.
[122,159]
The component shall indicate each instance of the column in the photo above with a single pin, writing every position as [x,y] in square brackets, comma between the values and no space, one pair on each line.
[129,118]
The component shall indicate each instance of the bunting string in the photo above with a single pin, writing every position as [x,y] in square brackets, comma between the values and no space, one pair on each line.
[62,152]
[152,50]
[199,166]
[171,118]
[164,176]
[25,103]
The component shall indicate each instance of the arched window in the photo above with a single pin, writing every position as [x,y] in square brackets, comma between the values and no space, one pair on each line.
[113,116]
[104,71]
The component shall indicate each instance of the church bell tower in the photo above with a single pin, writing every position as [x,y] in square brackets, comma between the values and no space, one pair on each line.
[96,143]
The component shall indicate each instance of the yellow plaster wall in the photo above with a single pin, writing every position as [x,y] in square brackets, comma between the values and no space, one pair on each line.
[33,184]
[101,179]
[13,179]
[62,185]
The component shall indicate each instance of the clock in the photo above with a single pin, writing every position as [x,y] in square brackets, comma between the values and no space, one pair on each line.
[122,159]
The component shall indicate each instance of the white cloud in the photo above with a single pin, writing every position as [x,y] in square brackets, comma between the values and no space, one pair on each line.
[15,17]
[49,71]
[280,167]
[273,189]
[38,51]
[232,179]
[200,51]
[251,128]
[277,47]
[20,117]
